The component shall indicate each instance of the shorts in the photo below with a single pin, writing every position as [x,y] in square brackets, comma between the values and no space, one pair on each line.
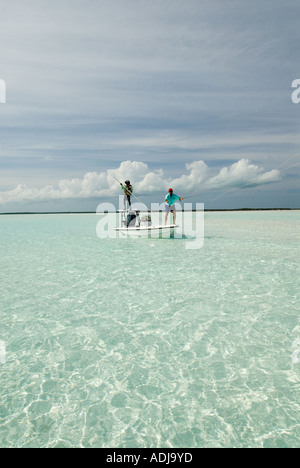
[169,208]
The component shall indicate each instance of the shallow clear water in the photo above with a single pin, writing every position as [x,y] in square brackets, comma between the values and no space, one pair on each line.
[144,343]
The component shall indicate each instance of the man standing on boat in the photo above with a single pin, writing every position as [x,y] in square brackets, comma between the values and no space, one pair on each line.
[170,200]
[128,189]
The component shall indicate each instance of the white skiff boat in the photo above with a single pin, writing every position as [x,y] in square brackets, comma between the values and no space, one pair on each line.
[134,224]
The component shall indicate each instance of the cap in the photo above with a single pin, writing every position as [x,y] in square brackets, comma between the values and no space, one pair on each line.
[170,190]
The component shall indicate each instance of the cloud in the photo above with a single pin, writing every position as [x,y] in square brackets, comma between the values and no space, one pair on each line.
[105,184]
[243,174]
[192,182]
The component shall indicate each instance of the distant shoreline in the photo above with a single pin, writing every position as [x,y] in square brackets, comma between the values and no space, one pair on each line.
[160,211]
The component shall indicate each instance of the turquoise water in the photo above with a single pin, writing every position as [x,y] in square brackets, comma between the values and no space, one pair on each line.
[144,343]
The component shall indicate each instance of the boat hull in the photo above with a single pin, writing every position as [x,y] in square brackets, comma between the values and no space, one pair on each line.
[153,232]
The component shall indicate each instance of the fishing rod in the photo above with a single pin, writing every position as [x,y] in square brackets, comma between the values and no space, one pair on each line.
[282,168]
[247,184]
[192,196]
[162,193]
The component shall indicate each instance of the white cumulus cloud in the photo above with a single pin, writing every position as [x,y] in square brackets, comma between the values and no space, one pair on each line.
[243,174]
[105,184]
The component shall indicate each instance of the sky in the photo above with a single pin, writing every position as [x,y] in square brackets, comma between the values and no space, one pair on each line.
[190,94]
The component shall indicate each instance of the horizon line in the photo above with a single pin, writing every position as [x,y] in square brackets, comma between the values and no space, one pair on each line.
[156,211]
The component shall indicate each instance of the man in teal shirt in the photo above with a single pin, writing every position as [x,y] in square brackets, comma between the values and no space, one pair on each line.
[170,200]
